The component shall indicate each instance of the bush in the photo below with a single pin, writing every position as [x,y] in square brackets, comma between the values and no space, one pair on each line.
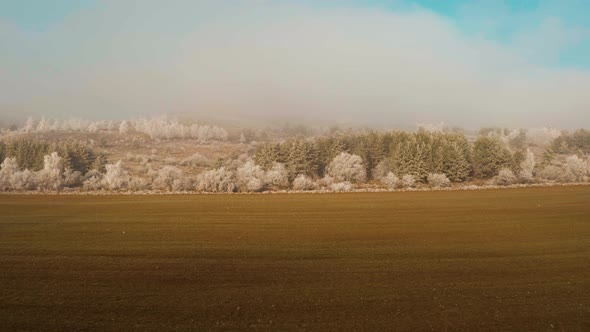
[277,177]
[250,177]
[116,177]
[218,180]
[390,181]
[408,181]
[303,182]
[438,180]
[505,177]
[575,168]
[51,176]
[172,179]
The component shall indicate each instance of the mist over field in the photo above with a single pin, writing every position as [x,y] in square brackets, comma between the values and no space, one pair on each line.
[386,64]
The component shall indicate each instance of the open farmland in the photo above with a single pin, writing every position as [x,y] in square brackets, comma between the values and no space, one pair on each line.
[465,260]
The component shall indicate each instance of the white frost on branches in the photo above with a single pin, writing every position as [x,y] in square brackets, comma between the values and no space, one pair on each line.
[505,177]
[250,177]
[390,180]
[347,167]
[575,168]
[116,177]
[438,180]
[527,167]
[277,177]
[303,182]
[217,180]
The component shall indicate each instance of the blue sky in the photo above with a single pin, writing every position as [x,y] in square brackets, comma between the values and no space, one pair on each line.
[468,63]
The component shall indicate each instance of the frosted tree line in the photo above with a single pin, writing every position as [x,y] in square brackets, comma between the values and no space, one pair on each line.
[335,162]
[155,128]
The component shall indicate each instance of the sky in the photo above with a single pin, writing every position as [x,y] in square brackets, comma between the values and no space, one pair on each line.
[521,63]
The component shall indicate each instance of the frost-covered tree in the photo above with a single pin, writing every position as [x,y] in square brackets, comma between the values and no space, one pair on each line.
[438,180]
[408,181]
[250,177]
[277,177]
[124,127]
[29,125]
[527,167]
[302,158]
[382,169]
[505,177]
[347,167]
[8,169]
[51,176]
[575,168]
[116,177]
[303,182]
[490,156]
[456,163]
[217,180]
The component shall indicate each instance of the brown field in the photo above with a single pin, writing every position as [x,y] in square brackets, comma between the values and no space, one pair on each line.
[482,260]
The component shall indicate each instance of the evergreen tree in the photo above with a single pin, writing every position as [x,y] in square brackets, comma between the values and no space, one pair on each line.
[489,157]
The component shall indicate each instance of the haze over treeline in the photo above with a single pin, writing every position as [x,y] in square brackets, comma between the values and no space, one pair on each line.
[314,62]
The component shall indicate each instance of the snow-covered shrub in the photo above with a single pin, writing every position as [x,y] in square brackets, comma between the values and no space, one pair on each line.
[505,177]
[527,167]
[217,180]
[171,178]
[51,176]
[115,177]
[196,160]
[390,180]
[93,180]
[303,182]
[575,168]
[250,177]
[551,173]
[277,177]
[438,180]
[347,167]
[24,180]
[72,179]
[341,186]
[408,181]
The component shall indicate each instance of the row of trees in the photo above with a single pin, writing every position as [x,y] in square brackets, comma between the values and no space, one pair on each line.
[417,154]
[160,128]
[337,162]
